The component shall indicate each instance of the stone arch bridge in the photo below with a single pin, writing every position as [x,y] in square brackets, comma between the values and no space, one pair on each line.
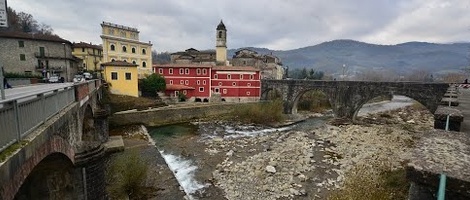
[61,132]
[347,97]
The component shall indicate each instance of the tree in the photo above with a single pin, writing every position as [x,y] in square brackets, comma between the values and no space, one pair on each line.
[303,74]
[161,58]
[25,22]
[152,84]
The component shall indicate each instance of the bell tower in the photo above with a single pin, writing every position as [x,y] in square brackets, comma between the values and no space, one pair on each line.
[221,44]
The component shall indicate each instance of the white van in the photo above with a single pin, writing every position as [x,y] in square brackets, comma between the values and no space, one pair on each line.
[87,76]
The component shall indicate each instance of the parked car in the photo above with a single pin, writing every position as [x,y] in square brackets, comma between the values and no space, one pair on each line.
[78,78]
[87,76]
[54,79]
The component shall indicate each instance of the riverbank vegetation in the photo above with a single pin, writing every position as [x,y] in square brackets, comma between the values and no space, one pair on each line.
[126,176]
[262,113]
[121,102]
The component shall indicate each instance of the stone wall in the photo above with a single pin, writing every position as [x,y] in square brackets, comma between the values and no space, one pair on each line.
[171,115]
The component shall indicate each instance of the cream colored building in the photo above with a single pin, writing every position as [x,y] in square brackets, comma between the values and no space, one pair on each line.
[91,55]
[121,43]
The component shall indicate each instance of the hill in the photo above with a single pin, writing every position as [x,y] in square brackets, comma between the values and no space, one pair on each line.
[358,56]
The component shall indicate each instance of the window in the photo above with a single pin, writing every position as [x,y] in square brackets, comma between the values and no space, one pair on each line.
[181,71]
[83,49]
[198,71]
[22,57]
[186,82]
[215,76]
[20,43]
[170,71]
[201,89]
[224,91]
[241,76]
[220,83]
[244,62]
[171,82]
[128,76]
[144,64]
[114,76]
[229,76]
[198,82]
[204,71]
[204,82]
[112,60]
[216,90]
[249,84]
[181,82]
[124,49]
[133,49]
[186,71]
[220,34]
[144,51]
[184,92]
[160,70]
[133,62]
[125,60]
[234,84]
[251,76]
[112,47]
[248,93]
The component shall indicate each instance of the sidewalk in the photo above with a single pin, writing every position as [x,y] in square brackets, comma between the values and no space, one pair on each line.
[464,106]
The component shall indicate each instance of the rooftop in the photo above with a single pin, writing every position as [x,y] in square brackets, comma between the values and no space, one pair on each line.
[119,63]
[119,26]
[32,36]
[178,87]
[86,45]
[234,68]
[184,65]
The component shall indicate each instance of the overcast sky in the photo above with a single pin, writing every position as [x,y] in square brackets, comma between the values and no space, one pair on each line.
[175,25]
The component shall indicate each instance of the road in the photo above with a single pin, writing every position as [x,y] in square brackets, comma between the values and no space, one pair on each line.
[21,92]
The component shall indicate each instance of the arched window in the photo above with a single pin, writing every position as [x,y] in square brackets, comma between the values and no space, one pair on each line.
[220,34]
[144,51]
[144,64]
[112,47]
[112,60]
[133,49]
[124,49]
[133,62]
[125,60]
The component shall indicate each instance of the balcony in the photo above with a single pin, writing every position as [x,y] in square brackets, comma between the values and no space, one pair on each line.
[50,68]
[47,55]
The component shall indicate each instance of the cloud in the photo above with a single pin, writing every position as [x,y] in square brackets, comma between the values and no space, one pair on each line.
[275,24]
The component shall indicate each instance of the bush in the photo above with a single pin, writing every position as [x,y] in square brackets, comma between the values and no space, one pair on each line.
[262,113]
[152,84]
[373,182]
[126,176]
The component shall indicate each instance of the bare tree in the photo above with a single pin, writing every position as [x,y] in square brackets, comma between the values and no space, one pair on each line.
[453,78]
[419,75]
[377,75]
[25,22]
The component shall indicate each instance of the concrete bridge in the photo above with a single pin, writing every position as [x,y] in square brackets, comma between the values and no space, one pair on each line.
[52,143]
[347,97]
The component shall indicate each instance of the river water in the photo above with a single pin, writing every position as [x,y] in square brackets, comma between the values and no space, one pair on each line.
[185,169]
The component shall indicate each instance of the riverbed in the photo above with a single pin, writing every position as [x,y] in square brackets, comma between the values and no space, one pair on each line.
[306,160]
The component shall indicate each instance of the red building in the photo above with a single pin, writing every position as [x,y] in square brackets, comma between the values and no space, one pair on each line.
[211,83]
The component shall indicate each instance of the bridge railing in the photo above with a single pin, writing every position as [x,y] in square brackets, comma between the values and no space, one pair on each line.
[19,116]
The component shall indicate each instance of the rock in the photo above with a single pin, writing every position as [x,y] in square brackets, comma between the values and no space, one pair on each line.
[218,139]
[411,121]
[294,191]
[302,177]
[229,153]
[270,169]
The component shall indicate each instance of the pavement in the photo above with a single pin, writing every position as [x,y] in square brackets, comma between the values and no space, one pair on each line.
[23,92]
[464,107]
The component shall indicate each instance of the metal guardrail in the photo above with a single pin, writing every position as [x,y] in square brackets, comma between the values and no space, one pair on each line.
[19,116]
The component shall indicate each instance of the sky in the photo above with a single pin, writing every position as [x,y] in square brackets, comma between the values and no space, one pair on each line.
[176,25]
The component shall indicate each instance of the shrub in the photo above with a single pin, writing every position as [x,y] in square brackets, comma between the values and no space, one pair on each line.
[126,175]
[152,84]
[262,113]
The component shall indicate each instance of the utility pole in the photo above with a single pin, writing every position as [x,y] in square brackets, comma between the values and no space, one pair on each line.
[3,24]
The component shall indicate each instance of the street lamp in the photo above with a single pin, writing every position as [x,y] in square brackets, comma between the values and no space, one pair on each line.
[344,68]
[65,62]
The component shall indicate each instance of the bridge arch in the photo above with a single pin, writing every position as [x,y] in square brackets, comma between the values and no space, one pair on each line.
[300,94]
[55,145]
[51,178]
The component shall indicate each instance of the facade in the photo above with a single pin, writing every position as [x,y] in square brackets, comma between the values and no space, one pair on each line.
[91,55]
[211,83]
[122,78]
[37,54]
[269,65]
[122,43]
[193,81]
[236,84]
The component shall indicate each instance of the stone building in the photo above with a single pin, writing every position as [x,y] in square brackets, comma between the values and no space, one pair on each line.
[90,54]
[269,65]
[37,54]
[121,43]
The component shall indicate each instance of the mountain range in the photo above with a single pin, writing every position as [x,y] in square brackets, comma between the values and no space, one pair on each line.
[358,56]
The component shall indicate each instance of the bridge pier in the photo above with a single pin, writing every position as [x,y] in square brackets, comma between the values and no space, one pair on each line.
[89,171]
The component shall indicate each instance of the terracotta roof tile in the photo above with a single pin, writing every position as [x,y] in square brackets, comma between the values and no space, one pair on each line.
[232,68]
[86,45]
[32,36]
[119,63]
